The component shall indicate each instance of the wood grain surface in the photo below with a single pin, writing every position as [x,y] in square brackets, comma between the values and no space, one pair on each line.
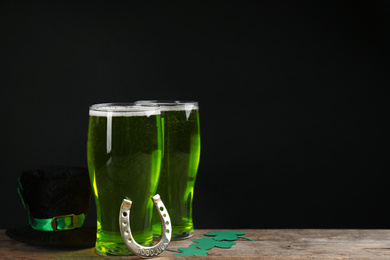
[268,244]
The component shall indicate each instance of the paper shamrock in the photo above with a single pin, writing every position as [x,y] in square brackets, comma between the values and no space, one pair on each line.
[227,235]
[208,243]
[201,245]
[192,250]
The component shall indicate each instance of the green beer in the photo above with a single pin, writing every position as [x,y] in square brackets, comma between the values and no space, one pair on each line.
[181,153]
[124,159]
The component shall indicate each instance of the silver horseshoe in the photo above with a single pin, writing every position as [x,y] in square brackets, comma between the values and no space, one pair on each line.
[131,244]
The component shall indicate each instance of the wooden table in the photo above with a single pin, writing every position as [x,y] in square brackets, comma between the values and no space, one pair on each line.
[268,244]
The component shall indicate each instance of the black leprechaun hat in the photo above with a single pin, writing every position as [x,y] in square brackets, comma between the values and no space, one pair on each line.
[57,200]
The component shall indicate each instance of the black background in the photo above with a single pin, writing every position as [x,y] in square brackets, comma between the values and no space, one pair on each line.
[293,98]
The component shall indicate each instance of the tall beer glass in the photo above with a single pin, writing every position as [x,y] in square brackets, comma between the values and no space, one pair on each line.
[181,153]
[124,159]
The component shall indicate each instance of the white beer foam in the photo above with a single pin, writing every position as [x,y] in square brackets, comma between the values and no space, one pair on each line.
[105,111]
[170,106]
[184,107]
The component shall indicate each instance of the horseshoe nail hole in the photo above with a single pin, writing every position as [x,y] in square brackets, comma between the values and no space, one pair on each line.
[126,232]
[124,214]
[166,222]
[124,223]
[167,231]
[164,215]
[129,240]
[161,208]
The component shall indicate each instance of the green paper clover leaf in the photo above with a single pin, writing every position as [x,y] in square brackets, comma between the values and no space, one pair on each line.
[208,243]
[227,235]
[192,250]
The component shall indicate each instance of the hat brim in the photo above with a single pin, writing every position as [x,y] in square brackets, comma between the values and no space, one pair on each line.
[84,237]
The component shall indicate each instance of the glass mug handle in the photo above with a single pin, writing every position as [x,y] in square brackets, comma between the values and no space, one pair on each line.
[131,244]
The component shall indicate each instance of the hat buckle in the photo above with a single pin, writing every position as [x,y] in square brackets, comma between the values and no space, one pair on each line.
[54,221]
[131,244]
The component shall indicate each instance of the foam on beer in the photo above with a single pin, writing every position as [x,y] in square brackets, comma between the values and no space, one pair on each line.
[104,111]
[170,106]
[184,107]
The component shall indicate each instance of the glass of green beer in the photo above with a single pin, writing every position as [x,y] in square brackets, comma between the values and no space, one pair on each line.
[124,151]
[181,153]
